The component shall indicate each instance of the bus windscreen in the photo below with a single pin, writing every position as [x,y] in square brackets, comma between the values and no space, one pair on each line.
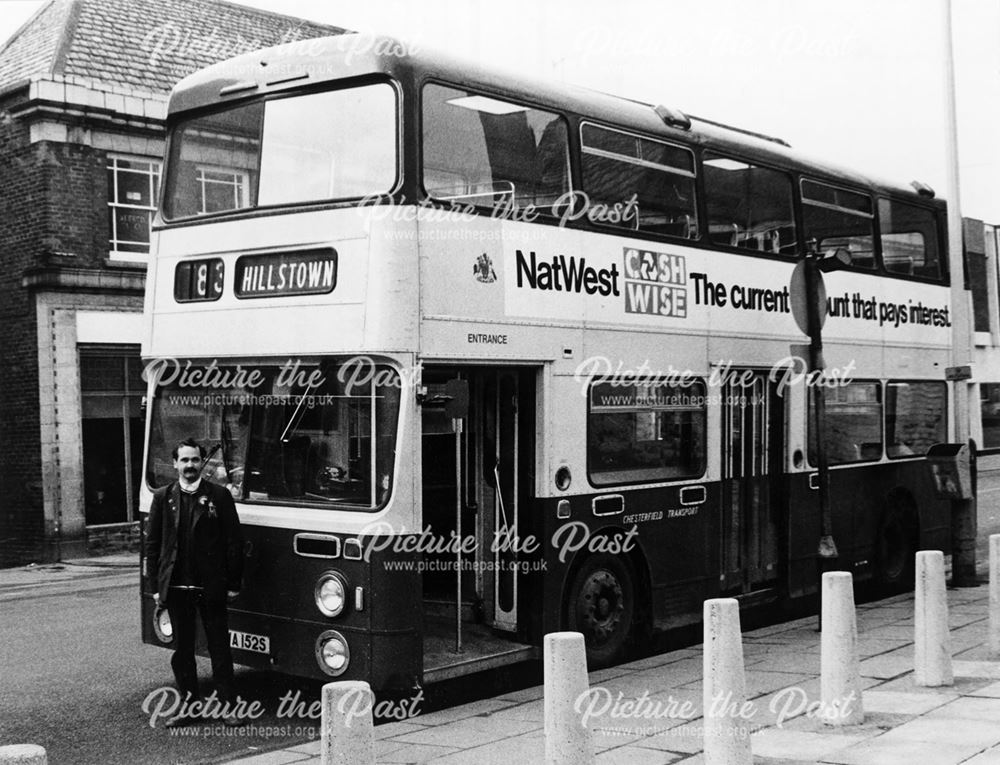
[315,434]
[316,147]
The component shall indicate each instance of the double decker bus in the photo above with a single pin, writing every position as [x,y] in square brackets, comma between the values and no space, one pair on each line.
[482,358]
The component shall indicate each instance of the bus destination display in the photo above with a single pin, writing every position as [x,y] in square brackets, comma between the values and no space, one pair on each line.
[310,272]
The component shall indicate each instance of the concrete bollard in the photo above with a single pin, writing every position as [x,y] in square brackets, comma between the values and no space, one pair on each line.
[567,739]
[840,671]
[994,639]
[348,728]
[726,710]
[931,644]
[23,754]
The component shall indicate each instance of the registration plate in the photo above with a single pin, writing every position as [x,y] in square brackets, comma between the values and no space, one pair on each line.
[247,641]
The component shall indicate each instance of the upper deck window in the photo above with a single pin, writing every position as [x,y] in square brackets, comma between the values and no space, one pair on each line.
[749,207]
[483,151]
[651,183]
[322,146]
[909,239]
[839,219]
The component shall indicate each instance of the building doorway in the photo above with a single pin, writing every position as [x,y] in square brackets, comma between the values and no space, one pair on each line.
[111,390]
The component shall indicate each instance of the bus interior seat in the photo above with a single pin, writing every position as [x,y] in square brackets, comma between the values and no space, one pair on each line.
[680,226]
[727,234]
[870,450]
[897,265]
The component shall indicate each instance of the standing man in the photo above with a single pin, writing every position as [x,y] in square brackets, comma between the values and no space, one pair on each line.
[194,563]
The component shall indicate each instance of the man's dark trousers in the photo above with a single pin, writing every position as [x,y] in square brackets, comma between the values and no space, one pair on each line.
[182,605]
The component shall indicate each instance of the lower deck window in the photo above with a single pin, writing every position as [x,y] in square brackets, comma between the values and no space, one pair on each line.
[853,427]
[914,417]
[989,408]
[638,433]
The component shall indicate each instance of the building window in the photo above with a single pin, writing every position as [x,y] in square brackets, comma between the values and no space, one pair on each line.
[133,186]
[221,190]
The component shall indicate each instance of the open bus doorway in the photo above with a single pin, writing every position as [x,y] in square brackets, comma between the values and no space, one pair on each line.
[753,427]
[478,480]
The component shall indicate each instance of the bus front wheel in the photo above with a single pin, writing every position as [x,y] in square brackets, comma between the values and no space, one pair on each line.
[602,606]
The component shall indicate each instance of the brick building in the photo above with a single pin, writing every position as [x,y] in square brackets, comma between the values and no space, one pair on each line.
[83,91]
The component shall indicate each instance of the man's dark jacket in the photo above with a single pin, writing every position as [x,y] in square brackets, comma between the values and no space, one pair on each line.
[216,540]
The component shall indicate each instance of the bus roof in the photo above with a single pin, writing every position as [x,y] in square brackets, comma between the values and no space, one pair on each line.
[311,62]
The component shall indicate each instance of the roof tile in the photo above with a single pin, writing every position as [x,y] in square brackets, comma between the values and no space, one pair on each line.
[33,47]
[146,44]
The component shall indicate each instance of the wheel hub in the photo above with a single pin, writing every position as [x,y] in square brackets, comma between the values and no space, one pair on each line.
[601,604]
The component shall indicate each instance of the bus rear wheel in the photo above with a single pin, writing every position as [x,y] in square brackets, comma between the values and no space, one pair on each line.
[601,606]
[897,548]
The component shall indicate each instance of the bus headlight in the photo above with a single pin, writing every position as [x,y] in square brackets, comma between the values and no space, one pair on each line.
[331,594]
[332,653]
[161,625]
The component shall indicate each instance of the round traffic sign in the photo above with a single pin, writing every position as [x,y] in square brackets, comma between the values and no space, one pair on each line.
[798,296]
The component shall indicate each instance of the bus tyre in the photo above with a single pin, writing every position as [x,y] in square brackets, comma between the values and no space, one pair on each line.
[601,606]
[896,548]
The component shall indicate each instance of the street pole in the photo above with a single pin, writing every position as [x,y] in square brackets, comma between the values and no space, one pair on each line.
[826,554]
[808,302]
[827,546]
[963,519]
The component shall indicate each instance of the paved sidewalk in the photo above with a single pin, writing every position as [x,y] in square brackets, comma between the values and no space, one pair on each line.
[903,723]
[84,573]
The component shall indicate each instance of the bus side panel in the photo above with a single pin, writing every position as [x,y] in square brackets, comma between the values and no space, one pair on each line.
[860,497]
[680,580]
[905,485]
[666,531]
[803,534]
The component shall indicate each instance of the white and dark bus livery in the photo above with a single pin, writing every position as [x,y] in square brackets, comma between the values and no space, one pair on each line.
[482,358]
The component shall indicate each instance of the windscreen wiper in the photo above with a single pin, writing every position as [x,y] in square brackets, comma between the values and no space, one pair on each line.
[293,421]
[208,457]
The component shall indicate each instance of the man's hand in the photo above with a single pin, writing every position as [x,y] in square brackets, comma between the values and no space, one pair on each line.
[231,595]
[156,598]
